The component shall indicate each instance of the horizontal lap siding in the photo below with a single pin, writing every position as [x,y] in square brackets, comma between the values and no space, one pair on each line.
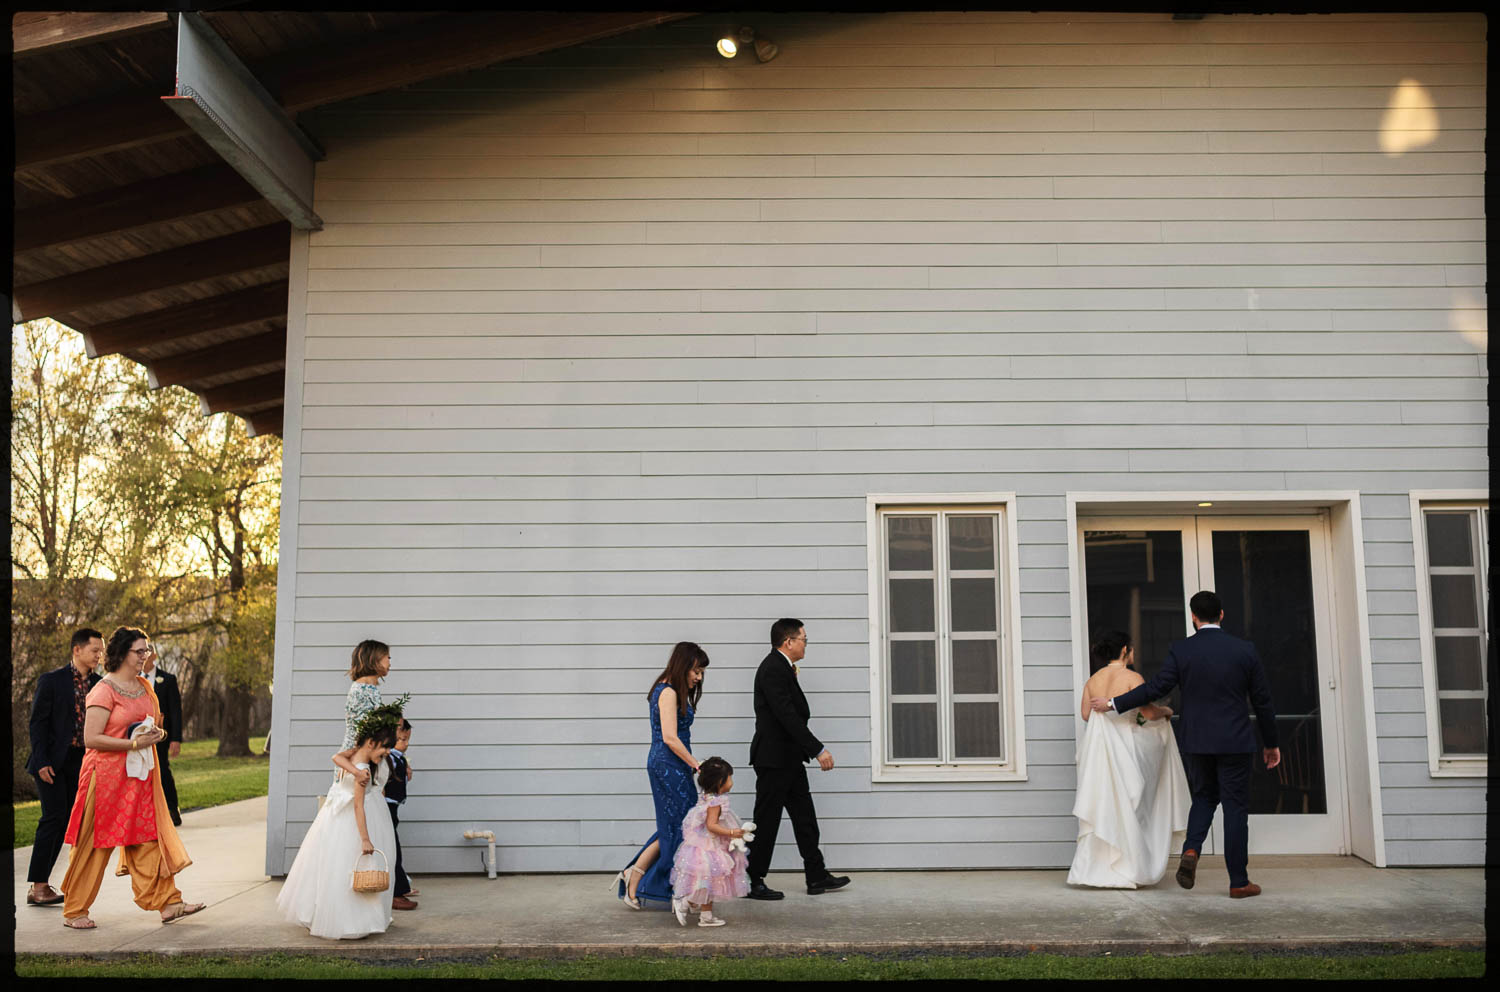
[1428,820]
[606,347]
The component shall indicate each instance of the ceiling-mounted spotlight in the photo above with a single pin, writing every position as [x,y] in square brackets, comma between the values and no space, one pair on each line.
[729,46]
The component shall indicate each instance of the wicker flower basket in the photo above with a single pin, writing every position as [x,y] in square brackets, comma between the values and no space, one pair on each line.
[371,879]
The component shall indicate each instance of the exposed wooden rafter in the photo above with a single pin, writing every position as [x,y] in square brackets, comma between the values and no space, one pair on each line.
[220,359]
[34,32]
[253,249]
[265,421]
[94,128]
[124,208]
[309,78]
[439,47]
[244,393]
[218,313]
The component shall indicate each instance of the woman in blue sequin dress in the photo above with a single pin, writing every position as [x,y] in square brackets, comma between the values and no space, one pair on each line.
[670,765]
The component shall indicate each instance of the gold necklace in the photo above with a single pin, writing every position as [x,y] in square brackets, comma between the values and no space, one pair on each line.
[126,692]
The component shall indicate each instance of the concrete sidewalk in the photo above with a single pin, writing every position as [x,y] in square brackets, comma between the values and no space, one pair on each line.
[1333,904]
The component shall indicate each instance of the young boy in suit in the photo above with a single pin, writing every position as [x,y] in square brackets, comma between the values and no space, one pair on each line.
[395,795]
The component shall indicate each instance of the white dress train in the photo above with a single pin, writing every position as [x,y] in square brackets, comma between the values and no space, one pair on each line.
[318,892]
[1132,804]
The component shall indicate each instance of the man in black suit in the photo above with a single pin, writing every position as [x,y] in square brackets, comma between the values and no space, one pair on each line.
[170,698]
[1216,671]
[782,743]
[57,755]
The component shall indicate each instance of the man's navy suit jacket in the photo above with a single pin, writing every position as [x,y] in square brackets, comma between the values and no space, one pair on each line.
[1215,671]
[52,720]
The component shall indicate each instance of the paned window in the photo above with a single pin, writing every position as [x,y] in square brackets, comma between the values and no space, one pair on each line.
[944,665]
[1453,566]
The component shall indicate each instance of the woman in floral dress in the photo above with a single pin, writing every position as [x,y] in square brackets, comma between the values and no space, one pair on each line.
[370,662]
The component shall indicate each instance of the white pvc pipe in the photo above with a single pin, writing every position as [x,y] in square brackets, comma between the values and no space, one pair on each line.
[489,835]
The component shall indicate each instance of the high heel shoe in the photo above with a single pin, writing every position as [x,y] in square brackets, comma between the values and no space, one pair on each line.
[620,879]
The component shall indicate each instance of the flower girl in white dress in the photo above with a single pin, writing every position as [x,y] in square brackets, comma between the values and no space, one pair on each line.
[319,892]
[1133,798]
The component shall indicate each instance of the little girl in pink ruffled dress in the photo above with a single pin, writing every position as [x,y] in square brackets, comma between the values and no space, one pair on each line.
[705,869]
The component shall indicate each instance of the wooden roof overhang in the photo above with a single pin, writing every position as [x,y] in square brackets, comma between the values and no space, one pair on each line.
[132,229]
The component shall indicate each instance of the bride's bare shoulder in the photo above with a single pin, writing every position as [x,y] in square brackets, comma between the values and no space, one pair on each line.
[1112,681]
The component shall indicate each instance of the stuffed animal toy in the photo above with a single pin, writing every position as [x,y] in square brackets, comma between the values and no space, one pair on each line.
[739,843]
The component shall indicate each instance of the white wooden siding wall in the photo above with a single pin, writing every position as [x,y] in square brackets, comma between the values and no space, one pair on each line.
[1428,820]
[606,347]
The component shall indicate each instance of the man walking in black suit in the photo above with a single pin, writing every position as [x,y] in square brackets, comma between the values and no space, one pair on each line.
[1216,671]
[781,745]
[170,697]
[57,755]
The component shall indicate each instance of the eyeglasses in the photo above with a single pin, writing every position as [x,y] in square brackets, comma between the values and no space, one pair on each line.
[144,652]
[803,639]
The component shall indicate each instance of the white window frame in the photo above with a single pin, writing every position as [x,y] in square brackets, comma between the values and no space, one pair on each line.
[1438,764]
[1008,622]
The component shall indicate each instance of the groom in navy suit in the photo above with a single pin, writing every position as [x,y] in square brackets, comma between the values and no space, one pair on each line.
[1216,671]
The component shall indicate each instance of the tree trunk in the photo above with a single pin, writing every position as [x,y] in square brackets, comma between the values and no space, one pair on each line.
[234,727]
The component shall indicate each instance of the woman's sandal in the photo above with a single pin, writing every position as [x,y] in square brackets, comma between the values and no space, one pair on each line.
[620,879]
[79,923]
[183,909]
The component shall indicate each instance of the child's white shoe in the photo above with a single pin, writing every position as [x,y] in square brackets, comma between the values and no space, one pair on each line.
[707,919]
[680,909]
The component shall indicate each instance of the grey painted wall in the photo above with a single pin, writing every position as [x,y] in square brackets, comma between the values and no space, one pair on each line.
[604,349]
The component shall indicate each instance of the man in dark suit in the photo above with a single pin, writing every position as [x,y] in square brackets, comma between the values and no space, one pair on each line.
[170,698]
[781,745]
[1216,671]
[57,755]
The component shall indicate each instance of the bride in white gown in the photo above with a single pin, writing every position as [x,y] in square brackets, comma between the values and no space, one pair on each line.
[1133,799]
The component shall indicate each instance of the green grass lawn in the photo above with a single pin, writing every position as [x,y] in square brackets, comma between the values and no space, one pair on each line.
[202,780]
[810,967]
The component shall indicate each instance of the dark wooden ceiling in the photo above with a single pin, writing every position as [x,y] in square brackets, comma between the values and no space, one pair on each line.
[130,229]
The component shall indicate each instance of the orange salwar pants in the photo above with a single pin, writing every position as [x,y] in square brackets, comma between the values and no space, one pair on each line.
[149,875]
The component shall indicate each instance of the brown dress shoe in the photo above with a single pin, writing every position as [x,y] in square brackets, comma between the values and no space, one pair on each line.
[1187,871]
[1245,891]
[49,897]
[401,902]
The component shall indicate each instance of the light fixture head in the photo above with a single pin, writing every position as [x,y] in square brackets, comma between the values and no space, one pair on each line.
[1205,504]
[730,44]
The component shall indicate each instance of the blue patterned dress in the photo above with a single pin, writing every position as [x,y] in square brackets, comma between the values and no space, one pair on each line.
[675,793]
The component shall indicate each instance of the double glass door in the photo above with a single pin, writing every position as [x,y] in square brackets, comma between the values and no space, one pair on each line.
[1272,575]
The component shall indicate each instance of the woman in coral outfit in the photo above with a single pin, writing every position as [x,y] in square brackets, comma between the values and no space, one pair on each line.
[120,801]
